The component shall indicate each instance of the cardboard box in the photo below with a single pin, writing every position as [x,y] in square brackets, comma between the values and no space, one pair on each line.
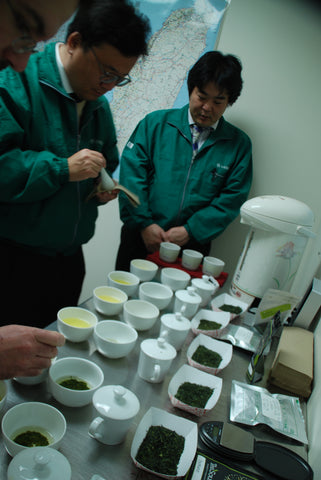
[292,369]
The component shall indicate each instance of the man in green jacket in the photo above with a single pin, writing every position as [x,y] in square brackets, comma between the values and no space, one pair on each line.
[25,22]
[57,133]
[190,190]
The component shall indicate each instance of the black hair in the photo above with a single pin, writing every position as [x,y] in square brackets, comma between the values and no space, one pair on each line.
[222,70]
[115,22]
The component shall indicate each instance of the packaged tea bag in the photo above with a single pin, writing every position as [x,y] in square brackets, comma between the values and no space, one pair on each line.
[243,336]
[252,405]
[255,369]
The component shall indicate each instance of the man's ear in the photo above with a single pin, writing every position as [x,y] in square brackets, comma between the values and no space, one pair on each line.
[74,40]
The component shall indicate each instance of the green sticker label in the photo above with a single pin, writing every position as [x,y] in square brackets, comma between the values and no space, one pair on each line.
[272,311]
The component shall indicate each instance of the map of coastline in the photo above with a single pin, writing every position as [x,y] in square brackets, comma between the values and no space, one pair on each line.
[159,78]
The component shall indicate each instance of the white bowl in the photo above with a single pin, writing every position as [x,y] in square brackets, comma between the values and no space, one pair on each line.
[79,368]
[185,428]
[114,339]
[125,281]
[175,278]
[145,270]
[157,293]
[192,375]
[226,299]
[140,314]
[3,394]
[32,416]
[109,300]
[222,318]
[76,332]
[34,380]
[224,349]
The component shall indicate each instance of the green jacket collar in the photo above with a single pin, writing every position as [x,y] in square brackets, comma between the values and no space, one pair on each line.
[179,119]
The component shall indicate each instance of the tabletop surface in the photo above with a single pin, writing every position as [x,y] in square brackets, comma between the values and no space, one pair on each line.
[86,455]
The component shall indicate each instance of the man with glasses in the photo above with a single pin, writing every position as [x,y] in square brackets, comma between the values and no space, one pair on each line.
[191,169]
[57,133]
[23,23]
[25,351]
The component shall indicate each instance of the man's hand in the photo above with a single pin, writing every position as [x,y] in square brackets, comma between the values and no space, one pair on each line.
[26,351]
[105,197]
[178,235]
[152,236]
[85,164]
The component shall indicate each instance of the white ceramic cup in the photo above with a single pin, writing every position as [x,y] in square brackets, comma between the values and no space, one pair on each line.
[213,266]
[205,287]
[78,367]
[143,269]
[187,301]
[140,314]
[174,328]
[168,252]
[116,407]
[38,416]
[191,259]
[155,358]
[175,278]
[114,339]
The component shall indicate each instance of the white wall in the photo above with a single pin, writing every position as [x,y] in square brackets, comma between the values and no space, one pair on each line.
[280,107]
[278,42]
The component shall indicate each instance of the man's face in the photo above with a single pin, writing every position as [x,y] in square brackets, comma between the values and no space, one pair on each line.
[36,19]
[86,69]
[208,104]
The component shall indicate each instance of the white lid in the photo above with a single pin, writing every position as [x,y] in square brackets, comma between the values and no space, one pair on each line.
[277,212]
[189,295]
[43,463]
[116,402]
[203,283]
[175,321]
[158,348]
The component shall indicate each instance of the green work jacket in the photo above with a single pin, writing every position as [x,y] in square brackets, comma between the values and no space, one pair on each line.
[204,195]
[39,130]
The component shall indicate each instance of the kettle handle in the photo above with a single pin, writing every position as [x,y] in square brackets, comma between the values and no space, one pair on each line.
[305,231]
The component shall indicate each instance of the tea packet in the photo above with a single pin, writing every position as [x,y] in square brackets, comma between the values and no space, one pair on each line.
[255,369]
[253,405]
[274,301]
[243,336]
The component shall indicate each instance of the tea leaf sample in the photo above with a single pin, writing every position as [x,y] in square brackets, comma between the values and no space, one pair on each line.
[194,394]
[161,450]
[230,308]
[31,439]
[208,325]
[74,383]
[206,357]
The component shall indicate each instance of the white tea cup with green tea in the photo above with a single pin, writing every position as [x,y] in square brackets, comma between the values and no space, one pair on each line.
[32,424]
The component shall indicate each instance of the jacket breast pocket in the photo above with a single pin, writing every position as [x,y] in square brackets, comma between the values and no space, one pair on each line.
[214,182]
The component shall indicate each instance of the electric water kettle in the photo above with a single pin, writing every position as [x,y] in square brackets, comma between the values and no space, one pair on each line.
[280,228]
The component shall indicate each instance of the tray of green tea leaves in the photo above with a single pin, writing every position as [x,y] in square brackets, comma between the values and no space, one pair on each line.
[164,444]
[228,303]
[194,391]
[209,354]
[210,323]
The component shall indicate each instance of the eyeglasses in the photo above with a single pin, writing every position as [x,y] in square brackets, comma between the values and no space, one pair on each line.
[108,77]
[24,44]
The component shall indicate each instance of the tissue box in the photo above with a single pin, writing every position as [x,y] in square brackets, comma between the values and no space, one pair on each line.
[292,369]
